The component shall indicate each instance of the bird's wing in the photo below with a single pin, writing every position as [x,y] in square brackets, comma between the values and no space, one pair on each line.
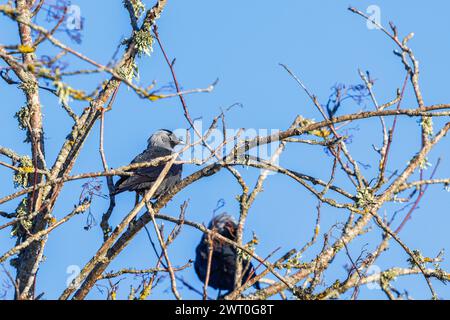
[146,175]
[154,171]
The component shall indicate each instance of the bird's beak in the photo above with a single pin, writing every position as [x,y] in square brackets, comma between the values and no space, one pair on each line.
[180,142]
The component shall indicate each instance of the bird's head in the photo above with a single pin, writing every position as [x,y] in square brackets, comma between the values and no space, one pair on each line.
[225,225]
[164,138]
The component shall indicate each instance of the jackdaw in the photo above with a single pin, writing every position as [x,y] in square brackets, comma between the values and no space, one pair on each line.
[160,144]
[223,261]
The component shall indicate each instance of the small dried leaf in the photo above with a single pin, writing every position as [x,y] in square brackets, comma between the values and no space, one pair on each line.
[155,97]
[322,133]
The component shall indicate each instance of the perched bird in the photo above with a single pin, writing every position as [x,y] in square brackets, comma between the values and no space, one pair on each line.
[223,262]
[160,144]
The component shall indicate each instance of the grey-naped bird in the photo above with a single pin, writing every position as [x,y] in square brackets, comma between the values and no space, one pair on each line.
[223,262]
[160,144]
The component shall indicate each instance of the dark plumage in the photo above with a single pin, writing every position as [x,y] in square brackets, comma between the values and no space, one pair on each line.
[160,144]
[223,262]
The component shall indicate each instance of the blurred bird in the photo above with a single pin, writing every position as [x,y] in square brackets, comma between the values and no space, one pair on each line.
[160,144]
[223,262]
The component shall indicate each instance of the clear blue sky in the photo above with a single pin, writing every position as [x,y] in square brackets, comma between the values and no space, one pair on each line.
[241,43]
